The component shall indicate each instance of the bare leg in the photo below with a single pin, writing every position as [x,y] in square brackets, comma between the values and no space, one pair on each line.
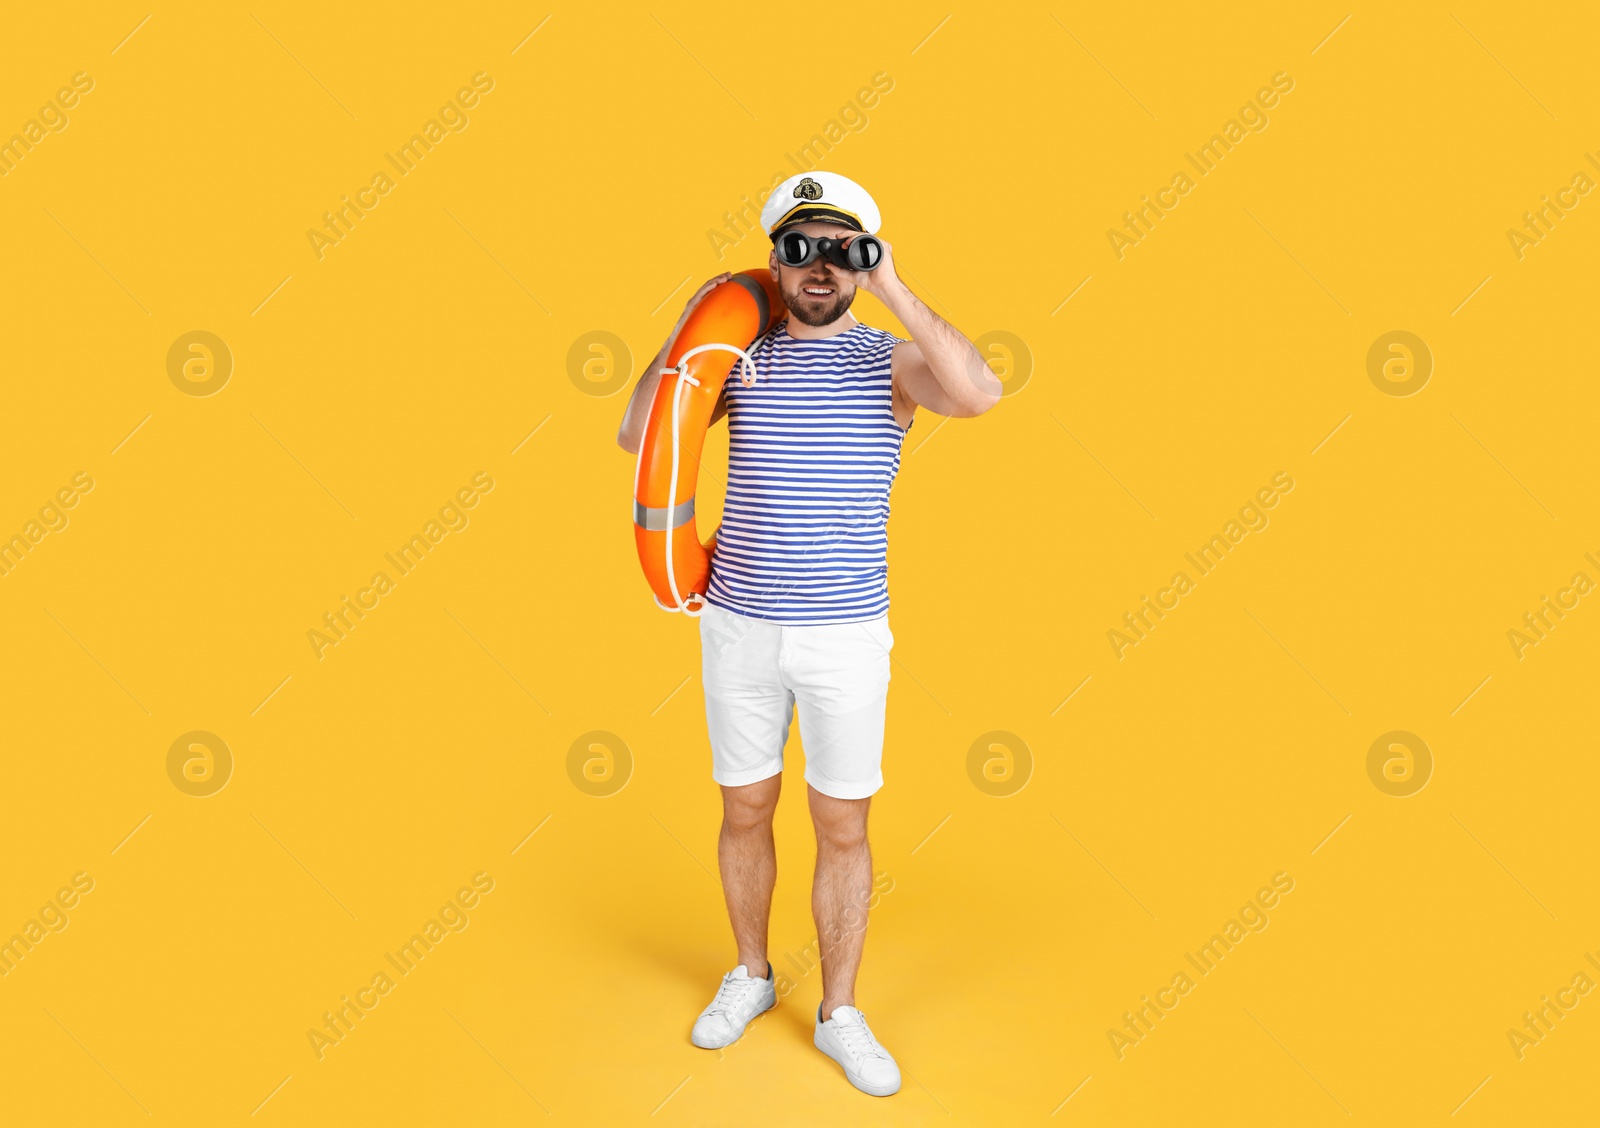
[840,893]
[749,866]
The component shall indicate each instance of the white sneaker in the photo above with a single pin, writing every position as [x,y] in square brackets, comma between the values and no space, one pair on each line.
[739,999]
[847,1039]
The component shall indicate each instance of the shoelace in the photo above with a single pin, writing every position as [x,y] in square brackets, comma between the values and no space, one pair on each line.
[731,994]
[858,1039]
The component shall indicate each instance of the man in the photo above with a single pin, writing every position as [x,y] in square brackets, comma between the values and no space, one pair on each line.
[797,604]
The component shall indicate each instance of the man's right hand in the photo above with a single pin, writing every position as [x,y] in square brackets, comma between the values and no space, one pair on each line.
[631,433]
[695,300]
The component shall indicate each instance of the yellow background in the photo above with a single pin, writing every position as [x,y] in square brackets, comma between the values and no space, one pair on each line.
[1227,746]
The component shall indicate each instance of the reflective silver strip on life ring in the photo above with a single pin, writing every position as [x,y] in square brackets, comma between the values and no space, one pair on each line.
[656,517]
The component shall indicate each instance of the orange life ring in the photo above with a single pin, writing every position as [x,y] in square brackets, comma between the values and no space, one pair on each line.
[727,321]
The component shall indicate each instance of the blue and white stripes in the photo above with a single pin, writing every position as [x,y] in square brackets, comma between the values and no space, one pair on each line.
[813,449]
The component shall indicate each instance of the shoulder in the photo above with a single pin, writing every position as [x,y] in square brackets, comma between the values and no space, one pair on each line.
[759,351]
[879,337]
[765,340]
[878,344]
[881,343]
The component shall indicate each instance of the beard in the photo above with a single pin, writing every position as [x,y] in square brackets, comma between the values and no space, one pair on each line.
[814,311]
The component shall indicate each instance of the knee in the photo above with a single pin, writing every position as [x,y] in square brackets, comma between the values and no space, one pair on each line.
[843,832]
[744,816]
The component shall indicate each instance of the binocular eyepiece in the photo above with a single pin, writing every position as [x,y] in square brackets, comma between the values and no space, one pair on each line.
[796,248]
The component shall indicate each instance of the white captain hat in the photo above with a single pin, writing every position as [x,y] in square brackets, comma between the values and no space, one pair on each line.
[824,196]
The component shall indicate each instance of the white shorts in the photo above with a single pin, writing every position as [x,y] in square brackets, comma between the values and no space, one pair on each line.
[756,672]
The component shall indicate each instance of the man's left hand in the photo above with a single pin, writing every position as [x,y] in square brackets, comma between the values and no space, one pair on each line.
[881,280]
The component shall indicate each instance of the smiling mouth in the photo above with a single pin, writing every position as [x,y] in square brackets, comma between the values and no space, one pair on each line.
[816,291]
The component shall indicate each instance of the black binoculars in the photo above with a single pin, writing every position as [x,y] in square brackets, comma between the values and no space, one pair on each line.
[796,248]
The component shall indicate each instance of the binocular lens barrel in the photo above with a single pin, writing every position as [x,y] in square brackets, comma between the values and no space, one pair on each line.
[863,253]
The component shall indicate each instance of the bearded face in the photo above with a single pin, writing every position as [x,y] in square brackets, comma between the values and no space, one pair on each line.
[818,293]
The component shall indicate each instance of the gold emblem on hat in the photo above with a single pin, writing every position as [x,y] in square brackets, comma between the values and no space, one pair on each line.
[808,189]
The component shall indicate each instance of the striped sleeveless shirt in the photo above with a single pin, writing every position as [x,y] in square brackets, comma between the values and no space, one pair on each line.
[813,449]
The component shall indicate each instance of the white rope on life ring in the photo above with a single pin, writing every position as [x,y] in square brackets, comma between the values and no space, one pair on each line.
[747,377]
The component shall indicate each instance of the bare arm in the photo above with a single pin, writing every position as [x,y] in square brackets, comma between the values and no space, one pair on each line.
[938,368]
[630,434]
